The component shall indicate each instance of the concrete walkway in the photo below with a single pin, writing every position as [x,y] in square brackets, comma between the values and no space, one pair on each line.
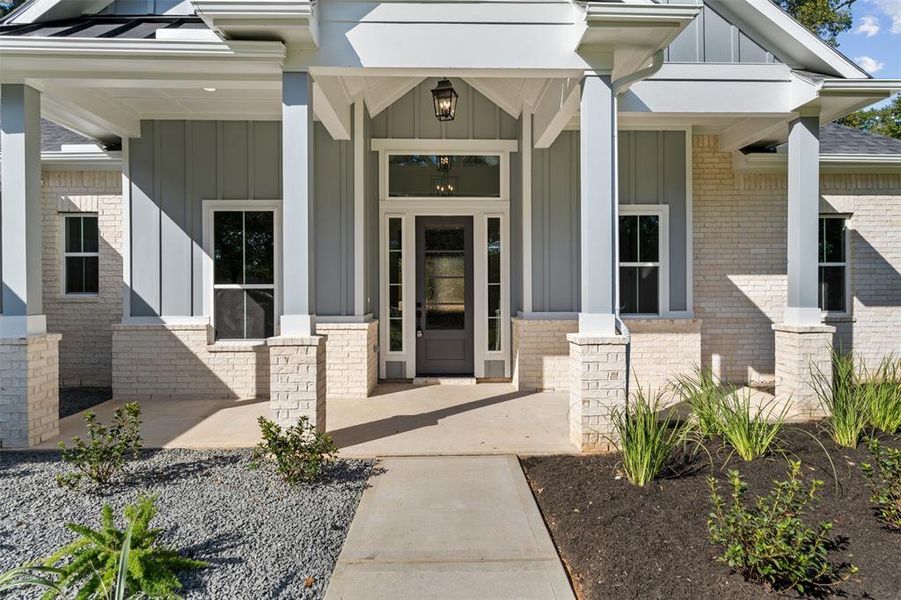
[448,527]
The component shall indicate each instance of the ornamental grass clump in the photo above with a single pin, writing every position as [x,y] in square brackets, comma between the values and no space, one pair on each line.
[645,438]
[751,428]
[299,452]
[884,475]
[102,457]
[704,396]
[883,395]
[111,563]
[848,409]
[769,541]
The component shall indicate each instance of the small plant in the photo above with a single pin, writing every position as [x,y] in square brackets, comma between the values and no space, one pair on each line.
[102,457]
[299,452]
[750,430]
[848,409]
[769,541]
[31,576]
[704,395]
[645,438]
[110,563]
[883,391]
[885,482]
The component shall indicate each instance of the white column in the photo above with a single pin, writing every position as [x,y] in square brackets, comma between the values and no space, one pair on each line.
[803,217]
[298,267]
[598,207]
[20,212]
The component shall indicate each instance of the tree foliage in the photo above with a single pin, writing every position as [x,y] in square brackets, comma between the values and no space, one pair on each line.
[883,121]
[6,6]
[826,18]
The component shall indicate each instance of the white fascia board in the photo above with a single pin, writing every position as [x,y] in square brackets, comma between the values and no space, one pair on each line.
[11,46]
[786,38]
[89,160]
[777,162]
[292,21]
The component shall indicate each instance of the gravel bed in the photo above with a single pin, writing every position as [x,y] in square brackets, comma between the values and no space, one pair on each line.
[262,537]
[75,400]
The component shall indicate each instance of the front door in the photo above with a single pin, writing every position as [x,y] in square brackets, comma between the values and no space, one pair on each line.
[444,278]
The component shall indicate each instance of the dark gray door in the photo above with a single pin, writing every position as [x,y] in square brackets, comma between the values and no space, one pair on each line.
[444,319]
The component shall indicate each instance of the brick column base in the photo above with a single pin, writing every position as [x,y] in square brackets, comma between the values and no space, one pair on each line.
[353,367]
[29,390]
[598,371]
[297,379]
[800,352]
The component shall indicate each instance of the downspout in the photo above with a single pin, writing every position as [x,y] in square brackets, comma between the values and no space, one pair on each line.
[624,83]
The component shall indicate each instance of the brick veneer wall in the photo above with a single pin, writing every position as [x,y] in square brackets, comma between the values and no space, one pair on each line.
[662,349]
[541,353]
[740,254]
[352,368]
[29,392]
[180,361]
[85,322]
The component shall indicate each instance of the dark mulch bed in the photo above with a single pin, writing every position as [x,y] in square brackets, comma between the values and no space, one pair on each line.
[621,541]
[75,400]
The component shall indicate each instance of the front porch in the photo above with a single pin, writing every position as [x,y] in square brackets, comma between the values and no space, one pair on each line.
[397,420]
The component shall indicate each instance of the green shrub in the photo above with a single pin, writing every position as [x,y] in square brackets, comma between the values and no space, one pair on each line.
[30,576]
[769,541]
[704,395]
[750,430]
[645,438]
[102,457]
[885,482]
[847,407]
[883,392]
[109,562]
[299,452]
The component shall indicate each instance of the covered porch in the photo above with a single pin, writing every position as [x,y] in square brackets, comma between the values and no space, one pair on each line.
[397,420]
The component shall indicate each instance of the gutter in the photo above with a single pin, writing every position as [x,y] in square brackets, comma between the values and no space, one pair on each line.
[777,162]
[624,83]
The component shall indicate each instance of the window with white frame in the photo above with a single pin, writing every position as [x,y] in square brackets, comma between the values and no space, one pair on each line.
[444,175]
[640,264]
[244,274]
[833,264]
[81,254]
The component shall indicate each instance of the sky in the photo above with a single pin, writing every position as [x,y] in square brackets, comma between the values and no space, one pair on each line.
[874,42]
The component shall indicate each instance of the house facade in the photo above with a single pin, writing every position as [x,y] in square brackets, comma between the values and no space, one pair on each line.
[296,200]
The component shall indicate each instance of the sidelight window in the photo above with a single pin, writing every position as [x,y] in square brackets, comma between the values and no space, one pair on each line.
[494,284]
[244,274]
[395,285]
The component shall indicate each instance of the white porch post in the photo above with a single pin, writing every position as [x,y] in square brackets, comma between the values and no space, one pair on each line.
[29,378]
[597,351]
[297,355]
[803,343]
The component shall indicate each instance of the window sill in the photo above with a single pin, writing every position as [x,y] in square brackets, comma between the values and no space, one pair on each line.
[682,316]
[839,318]
[236,346]
[80,298]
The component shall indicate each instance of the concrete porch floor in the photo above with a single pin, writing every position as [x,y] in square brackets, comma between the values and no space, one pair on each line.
[398,420]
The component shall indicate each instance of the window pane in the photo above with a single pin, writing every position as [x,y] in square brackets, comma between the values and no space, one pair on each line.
[394,234]
[445,290]
[445,264]
[229,314]
[228,254]
[628,239]
[494,250]
[75,268]
[395,267]
[394,300]
[436,175]
[648,236]
[445,316]
[832,240]
[647,289]
[89,234]
[494,301]
[628,290]
[259,258]
[445,238]
[73,234]
[260,314]
[396,335]
[494,337]
[832,289]
[91,275]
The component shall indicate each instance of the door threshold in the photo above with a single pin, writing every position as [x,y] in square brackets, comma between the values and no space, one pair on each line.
[430,380]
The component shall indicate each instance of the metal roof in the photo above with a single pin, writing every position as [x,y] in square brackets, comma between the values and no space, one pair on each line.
[103,26]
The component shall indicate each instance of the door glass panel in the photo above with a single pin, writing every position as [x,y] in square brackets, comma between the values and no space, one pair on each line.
[432,175]
[445,277]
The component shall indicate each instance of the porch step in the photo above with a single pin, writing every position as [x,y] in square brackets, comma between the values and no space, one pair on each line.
[444,381]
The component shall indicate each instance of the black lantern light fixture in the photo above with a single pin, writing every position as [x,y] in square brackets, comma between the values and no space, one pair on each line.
[445,99]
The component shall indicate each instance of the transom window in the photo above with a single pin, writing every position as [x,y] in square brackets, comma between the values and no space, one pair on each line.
[244,274]
[448,175]
[639,264]
[833,264]
[81,254]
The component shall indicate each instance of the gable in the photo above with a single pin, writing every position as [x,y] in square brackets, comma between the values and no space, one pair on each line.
[711,38]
